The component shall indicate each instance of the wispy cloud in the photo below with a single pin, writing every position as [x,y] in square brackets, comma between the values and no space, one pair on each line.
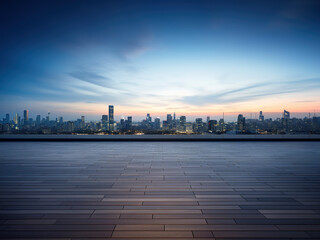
[255,91]
[93,78]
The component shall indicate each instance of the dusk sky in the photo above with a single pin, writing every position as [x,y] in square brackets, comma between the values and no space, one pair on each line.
[195,58]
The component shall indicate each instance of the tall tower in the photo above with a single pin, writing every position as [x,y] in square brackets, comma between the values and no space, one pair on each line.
[241,122]
[48,117]
[286,120]
[25,116]
[16,119]
[261,117]
[111,118]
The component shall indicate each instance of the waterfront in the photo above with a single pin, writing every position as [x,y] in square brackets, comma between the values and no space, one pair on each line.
[213,190]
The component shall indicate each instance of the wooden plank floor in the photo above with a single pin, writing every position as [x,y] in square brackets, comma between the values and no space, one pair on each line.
[148,190]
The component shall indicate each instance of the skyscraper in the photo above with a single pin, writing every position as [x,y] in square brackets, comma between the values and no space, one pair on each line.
[7,118]
[169,122]
[48,118]
[182,123]
[16,119]
[261,117]
[38,119]
[221,125]
[25,117]
[129,123]
[198,125]
[286,119]
[111,118]
[157,123]
[211,125]
[60,120]
[104,120]
[241,122]
[122,124]
[149,118]
[286,114]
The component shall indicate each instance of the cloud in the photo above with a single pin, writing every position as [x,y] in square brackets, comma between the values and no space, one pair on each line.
[255,91]
[93,84]
[93,78]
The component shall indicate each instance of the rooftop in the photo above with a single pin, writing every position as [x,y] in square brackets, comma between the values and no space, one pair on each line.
[164,190]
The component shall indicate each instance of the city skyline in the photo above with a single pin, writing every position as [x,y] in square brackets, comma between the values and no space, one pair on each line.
[117,117]
[195,58]
[172,124]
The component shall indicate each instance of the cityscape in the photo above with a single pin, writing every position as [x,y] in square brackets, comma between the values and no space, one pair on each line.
[171,125]
[160,119]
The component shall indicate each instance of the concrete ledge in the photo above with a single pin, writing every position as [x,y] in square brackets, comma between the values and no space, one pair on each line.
[155,138]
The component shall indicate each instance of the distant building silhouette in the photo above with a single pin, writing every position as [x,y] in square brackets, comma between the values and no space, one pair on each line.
[111,118]
[25,117]
[104,122]
[16,119]
[83,122]
[169,124]
[198,125]
[211,125]
[286,114]
[241,122]
[261,117]
[38,119]
[60,120]
[182,123]
[286,119]
[129,123]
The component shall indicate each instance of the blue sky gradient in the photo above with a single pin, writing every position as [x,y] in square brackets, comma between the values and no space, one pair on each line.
[192,57]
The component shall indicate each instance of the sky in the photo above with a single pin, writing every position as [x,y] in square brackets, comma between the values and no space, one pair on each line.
[195,58]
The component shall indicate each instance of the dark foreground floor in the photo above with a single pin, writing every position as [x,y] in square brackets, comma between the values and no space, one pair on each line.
[213,190]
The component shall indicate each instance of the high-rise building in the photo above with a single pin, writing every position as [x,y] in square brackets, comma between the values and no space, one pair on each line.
[241,122]
[198,125]
[286,119]
[70,127]
[211,125]
[122,125]
[60,120]
[38,120]
[183,120]
[48,118]
[25,117]
[149,118]
[7,118]
[182,123]
[261,117]
[286,114]
[208,119]
[104,121]
[165,126]
[157,123]
[83,122]
[129,123]
[221,125]
[111,118]
[104,118]
[169,123]
[16,119]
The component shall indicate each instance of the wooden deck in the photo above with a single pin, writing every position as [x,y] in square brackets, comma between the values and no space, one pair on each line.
[164,190]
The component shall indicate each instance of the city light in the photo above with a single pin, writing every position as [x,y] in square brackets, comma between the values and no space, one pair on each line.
[172,124]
